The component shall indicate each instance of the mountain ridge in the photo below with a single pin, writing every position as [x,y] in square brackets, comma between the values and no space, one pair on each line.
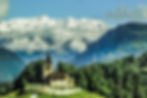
[129,38]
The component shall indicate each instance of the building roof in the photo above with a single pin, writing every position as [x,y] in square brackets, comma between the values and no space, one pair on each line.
[58,75]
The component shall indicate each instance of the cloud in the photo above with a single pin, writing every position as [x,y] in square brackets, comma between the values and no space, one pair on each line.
[125,13]
[4,6]
[78,45]
[23,44]
[47,34]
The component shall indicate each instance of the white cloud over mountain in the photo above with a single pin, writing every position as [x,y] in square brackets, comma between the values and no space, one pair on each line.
[47,34]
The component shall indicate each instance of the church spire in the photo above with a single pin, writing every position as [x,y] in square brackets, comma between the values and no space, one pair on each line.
[48,59]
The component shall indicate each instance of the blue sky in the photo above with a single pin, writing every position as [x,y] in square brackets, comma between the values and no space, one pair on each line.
[68,8]
[80,23]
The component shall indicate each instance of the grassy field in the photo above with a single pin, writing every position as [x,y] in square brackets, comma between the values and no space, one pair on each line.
[82,94]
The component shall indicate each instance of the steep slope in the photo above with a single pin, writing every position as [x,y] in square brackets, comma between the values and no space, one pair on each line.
[10,65]
[124,40]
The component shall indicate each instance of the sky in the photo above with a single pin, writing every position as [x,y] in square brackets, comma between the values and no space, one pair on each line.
[99,9]
[65,8]
[62,25]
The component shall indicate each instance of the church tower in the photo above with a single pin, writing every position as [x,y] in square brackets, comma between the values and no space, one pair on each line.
[48,67]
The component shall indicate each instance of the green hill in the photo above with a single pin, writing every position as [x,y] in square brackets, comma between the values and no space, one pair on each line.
[82,94]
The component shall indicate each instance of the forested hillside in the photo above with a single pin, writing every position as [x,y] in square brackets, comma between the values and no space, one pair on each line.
[125,78]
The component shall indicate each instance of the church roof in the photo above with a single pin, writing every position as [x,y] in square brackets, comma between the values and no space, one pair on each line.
[58,75]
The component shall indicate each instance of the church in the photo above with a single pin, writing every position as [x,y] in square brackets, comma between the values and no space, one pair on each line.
[55,79]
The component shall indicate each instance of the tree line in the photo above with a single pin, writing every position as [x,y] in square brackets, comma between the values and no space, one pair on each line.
[124,78]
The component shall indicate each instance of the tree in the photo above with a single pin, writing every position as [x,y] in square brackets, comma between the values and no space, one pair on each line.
[67,68]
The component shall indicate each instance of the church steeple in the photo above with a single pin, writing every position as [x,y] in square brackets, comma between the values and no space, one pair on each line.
[48,59]
[48,67]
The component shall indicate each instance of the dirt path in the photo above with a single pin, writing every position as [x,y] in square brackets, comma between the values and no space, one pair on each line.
[66,91]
